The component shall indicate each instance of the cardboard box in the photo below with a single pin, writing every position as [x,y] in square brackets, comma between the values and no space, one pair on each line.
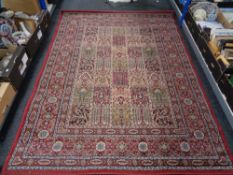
[214,48]
[31,7]
[29,24]
[221,18]
[37,33]
[7,94]
[211,61]
[16,69]
[10,49]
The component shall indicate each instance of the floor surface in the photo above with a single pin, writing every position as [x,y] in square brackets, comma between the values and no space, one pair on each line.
[15,115]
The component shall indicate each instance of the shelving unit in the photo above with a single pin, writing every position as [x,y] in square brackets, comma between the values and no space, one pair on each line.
[220,96]
[20,65]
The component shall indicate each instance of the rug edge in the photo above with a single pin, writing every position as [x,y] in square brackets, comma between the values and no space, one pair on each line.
[119,172]
[119,11]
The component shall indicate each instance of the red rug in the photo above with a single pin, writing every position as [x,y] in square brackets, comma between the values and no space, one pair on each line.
[117,94]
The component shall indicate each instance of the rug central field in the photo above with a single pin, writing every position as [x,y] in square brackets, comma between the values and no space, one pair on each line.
[118,92]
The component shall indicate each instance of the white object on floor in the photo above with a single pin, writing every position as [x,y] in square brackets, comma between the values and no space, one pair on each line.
[122,0]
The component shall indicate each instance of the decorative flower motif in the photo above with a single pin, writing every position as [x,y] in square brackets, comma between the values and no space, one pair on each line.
[57,146]
[139,96]
[79,146]
[122,146]
[121,100]
[100,146]
[188,101]
[102,95]
[199,135]
[184,146]
[143,147]
[43,134]
[163,147]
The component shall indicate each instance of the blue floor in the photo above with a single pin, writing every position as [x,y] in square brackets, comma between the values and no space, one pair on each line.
[9,131]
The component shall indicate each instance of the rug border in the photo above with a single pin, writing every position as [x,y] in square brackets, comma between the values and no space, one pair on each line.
[134,172]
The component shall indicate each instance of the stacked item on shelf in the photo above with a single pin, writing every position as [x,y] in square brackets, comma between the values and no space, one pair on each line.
[220,37]
[28,18]
[22,27]
[20,33]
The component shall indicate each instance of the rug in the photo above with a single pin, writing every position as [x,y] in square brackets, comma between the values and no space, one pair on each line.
[117,94]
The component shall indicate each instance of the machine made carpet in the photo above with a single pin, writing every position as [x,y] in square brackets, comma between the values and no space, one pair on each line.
[118,94]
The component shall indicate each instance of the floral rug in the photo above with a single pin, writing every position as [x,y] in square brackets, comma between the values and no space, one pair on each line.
[118,94]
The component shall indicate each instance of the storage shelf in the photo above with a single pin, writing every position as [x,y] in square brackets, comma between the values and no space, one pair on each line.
[220,96]
[30,50]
